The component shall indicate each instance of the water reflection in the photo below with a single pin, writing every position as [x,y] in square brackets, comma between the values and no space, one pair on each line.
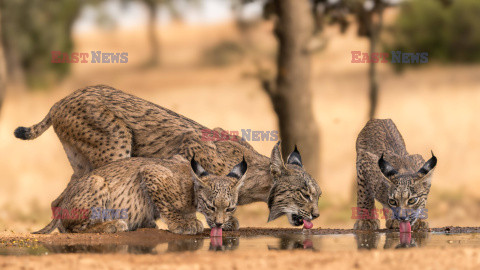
[290,242]
[185,245]
[222,244]
[338,242]
[370,240]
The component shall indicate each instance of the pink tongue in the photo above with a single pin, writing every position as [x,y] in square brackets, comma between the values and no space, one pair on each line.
[307,224]
[216,232]
[405,238]
[405,227]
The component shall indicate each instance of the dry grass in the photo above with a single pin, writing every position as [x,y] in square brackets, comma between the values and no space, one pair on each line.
[434,107]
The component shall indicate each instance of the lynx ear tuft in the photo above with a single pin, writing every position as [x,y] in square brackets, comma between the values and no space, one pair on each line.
[387,169]
[276,161]
[197,168]
[239,170]
[295,158]
[428,166]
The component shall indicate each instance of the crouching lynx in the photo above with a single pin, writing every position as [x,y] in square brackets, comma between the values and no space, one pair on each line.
[387,173]
[100,124]
[146,189]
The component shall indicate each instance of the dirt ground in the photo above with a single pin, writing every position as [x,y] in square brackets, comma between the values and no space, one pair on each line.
[415,258]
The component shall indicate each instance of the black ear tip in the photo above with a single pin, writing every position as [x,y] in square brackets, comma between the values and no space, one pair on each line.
[244,162]
[192,161]
[381,161]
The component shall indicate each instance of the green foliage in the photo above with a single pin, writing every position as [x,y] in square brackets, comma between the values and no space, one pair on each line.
[31,30]
[449,33]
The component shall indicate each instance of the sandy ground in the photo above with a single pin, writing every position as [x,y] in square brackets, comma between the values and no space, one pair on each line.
[465,258]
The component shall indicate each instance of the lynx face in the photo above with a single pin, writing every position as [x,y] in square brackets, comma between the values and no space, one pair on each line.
[294,192]
[407,192]
[216,196]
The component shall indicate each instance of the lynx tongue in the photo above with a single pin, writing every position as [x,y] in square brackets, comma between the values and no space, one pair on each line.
[307,224]
[216,232]
[405,227]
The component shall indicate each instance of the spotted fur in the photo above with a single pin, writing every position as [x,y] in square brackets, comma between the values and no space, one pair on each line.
[100,124]
[387,173]
[149,188]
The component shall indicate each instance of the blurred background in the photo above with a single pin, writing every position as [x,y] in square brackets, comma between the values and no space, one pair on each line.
[263,65]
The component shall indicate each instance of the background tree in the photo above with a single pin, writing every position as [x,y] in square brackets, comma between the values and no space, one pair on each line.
[3,76]
[369,17]
[290,92]
[31,30]
[153,6]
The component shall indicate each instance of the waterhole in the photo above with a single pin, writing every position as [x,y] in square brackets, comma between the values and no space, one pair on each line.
[312,243]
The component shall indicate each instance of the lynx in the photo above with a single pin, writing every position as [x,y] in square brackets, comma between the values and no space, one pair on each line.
[99,124]
[387,173]
[148,189]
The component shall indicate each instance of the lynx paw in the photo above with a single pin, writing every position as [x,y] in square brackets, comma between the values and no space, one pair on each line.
[231,225]
[392,224]
[187,227]
[112,226]
[420,225]
[367,224]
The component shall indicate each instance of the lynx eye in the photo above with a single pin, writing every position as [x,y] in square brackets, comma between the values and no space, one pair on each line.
[412,200]
[211,208]
[231,209]
[392,202]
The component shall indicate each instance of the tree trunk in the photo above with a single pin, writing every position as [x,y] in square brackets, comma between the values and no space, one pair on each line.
[375,29]
[292,97]
[152,32]
[3,75]
[372,76]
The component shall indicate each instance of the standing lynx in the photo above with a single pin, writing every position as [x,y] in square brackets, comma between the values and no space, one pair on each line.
[387,173]
[100,124]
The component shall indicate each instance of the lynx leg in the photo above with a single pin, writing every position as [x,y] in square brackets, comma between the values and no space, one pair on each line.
[79,162]
[365,207]
[81,197]
[182,223]
[175,206]
[391,223]
[420,225]
[231,225]
[111,226]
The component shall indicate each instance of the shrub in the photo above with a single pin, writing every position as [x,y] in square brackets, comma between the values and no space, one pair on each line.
[449,33]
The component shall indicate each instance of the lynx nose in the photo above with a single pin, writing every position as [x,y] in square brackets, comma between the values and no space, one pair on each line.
[315,215]
[218,224]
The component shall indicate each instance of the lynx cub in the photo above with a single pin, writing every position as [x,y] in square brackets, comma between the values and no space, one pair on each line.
[148,189]
[388,174]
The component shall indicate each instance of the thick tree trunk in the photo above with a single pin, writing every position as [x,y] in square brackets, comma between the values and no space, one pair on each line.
[292,97]
[3,73]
